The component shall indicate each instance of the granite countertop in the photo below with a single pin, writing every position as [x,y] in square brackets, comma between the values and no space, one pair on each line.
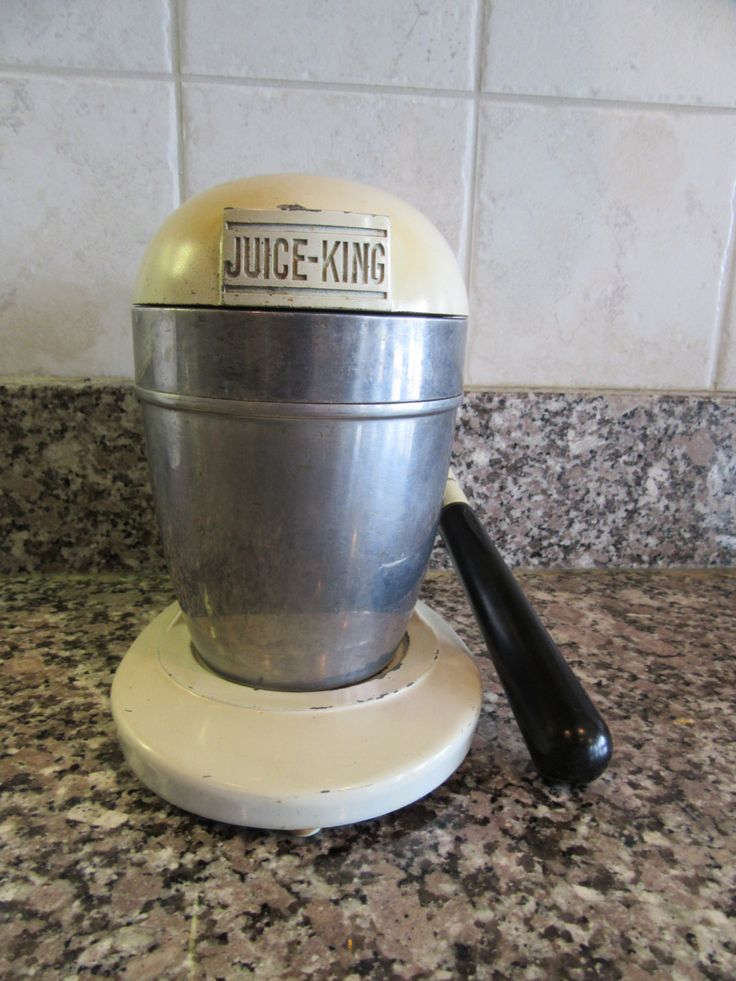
[494,875]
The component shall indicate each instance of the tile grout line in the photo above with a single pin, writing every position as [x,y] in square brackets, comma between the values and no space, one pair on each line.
[349,88]
[469,204]
[471,192]
[366,88]
[588,102]
[179,116]
[100,74]
[717,362]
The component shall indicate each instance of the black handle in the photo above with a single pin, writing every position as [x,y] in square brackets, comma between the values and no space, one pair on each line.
[566,736]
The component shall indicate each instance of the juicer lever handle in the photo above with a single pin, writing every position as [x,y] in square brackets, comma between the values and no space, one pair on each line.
[566,736]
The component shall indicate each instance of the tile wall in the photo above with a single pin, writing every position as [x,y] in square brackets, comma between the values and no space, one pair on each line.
[580,157]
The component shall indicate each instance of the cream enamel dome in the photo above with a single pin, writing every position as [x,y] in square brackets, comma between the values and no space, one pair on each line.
[300,241]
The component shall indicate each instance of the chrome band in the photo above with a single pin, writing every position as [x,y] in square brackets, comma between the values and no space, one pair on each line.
[298,356]
[297,410]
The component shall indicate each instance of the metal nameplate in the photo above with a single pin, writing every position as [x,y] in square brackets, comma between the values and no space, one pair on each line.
[305,259]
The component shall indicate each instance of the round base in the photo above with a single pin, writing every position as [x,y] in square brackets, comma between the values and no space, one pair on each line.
[295,760]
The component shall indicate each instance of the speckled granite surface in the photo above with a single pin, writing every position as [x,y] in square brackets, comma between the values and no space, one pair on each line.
[494,875]
[561,479]
[597,480]
[74,491]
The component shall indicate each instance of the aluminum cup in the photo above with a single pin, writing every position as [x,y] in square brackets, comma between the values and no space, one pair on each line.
[298,462]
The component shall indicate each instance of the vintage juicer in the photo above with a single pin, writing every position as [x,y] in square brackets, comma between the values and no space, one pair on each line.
[299,345]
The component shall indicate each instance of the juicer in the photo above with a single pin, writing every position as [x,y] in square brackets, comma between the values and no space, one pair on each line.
[299,344]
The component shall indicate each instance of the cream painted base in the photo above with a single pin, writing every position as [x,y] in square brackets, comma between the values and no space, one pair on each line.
[295,760]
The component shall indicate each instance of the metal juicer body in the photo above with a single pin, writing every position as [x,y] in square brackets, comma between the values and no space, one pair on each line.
[298,462]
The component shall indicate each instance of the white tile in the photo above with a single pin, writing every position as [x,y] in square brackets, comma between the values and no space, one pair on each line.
[599,237]
[86,181]
[413,146]
[387,42]
[93,34]
[660,51]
